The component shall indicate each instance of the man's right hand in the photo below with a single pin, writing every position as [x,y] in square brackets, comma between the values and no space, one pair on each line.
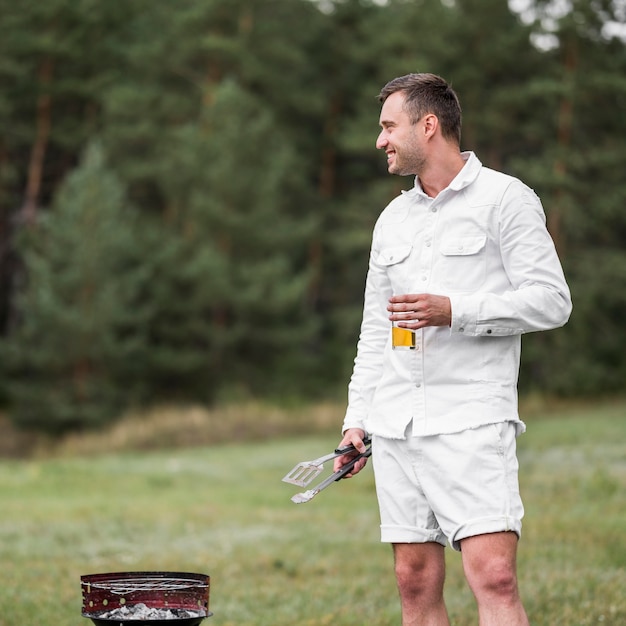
[355,437]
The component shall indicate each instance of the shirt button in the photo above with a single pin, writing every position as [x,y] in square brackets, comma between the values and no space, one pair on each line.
[461,329]
[489,332]
[423,277]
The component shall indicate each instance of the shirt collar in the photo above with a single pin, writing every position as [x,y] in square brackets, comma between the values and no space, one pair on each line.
[465,177]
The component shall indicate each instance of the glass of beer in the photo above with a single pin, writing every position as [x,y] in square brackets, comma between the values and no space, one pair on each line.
[402,338]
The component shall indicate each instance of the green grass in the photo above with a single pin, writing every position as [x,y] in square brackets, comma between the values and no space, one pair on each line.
[223,511]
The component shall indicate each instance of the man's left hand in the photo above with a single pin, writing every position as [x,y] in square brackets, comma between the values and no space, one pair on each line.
[419,310]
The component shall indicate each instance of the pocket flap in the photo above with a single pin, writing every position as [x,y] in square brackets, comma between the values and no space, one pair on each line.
[460,246]
[391,256]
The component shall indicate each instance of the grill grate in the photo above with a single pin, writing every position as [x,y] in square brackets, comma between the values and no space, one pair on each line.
[125,586]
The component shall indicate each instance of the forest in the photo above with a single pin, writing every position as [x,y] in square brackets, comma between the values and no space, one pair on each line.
[188,189]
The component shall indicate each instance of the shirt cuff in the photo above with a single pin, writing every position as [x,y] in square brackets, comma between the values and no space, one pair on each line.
[351,422]
[464,315]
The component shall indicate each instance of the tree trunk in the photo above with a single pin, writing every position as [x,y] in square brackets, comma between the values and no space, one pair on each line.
[327,189]
[564,140]
[38,152]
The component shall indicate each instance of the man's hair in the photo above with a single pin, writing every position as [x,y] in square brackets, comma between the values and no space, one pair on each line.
[428,93]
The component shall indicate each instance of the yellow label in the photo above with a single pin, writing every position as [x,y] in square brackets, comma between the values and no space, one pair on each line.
[402,337]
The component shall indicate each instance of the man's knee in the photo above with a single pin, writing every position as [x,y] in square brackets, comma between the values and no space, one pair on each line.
[498,579]
[490,565]
[419,569]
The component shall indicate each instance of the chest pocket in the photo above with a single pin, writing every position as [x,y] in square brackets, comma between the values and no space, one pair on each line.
[463,262]
[391,256]
[394,262]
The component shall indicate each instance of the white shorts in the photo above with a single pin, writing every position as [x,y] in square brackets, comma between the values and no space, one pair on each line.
[445,488]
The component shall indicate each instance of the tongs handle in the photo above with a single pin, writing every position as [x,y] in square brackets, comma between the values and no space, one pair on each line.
[346,469]
[350,447]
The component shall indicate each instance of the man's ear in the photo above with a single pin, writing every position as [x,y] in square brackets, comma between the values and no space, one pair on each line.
[431,123]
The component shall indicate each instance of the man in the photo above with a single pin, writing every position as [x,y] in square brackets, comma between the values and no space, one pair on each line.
[465,262]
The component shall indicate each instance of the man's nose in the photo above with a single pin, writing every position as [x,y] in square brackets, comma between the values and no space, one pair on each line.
[381,141]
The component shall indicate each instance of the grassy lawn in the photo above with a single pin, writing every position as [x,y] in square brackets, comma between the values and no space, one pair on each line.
[222,510]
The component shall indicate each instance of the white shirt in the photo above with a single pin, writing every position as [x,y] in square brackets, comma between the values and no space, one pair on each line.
[483,243]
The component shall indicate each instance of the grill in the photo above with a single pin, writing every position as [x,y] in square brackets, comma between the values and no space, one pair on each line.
[115,598]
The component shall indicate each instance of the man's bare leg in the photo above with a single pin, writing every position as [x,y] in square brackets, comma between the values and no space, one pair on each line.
[490,567]
[420,573]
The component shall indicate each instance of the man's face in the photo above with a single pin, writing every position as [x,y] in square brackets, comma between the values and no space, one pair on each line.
[399,138]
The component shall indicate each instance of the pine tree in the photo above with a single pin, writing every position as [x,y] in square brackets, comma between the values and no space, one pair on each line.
[208,132]
[57,58]
[65,358]
[234,305]
[578,172]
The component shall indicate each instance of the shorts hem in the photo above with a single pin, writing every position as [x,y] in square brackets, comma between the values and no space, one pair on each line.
[485,526]
[409,534]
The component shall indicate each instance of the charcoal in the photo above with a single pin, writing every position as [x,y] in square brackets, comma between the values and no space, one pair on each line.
[142,612]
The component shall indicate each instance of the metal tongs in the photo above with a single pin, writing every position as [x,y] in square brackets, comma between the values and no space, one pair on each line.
[304,473]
